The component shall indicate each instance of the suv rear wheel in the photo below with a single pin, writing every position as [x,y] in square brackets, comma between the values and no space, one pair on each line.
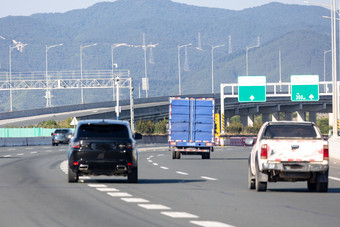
[133,176]
[72,176]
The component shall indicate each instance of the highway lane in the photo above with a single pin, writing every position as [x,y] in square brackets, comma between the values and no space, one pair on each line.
[186,192]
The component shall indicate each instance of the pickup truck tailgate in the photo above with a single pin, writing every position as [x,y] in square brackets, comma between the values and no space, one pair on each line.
[294,150]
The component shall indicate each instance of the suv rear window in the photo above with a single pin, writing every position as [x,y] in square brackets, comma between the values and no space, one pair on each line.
[61,131]
[290,131]
[103,131]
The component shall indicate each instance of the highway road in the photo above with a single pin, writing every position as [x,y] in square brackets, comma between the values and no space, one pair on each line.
[186,192]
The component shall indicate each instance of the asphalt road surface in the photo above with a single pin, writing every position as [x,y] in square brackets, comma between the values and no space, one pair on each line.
[186,192]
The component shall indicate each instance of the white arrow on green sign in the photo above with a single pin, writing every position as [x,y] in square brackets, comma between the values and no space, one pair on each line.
[304,88]
[252,88]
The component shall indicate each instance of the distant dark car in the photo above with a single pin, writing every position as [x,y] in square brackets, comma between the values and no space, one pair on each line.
[103,147]
[62,135]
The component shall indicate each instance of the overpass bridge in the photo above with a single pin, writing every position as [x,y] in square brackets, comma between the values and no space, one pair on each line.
[157,108]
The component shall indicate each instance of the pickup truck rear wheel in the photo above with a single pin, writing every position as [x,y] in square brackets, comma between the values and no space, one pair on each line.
[311,186]
[72,176]
[133,176]
[260,186]
[251,179]
[322,186]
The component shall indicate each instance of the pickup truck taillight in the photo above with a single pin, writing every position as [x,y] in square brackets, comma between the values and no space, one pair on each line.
[325,152]
[264,151]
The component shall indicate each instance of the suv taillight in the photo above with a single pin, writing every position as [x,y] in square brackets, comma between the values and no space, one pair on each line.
[325,152]
[264,151]
[125,146]
[75,145]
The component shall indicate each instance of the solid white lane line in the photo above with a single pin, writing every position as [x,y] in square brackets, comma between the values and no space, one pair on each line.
[182,173]
[179,215]
[119,194]
[210,224]
[334,178]
[154,207]
[163,167]
[107,189]
[135,200]
[97,185]
[208,178]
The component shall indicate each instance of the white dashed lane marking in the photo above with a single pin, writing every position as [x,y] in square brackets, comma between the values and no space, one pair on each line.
[208,178]
[163,167]
[20,154]
[97,185]
[155,164]
[182,173]
[7,156]
[119,194]
[34,152]
[107,189]
[210,224]
[334,178]
[154,207]
[179,215]
[135,200]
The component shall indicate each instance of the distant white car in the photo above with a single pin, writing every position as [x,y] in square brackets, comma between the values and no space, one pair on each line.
[289,151]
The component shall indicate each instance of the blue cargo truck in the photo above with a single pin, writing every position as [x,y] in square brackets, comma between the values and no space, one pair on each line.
[191,126]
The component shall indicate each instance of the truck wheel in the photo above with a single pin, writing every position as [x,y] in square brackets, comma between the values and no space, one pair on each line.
[322,182]
[178,155]
[260,186]
[206,155]
[311,186]
[173,154]
[322,186]
[133,176]
[72,176]
[251,179]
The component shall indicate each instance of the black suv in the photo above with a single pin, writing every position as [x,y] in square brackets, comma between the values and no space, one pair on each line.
[103,147]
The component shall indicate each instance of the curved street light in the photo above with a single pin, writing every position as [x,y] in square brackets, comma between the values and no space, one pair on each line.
[179,66]
[212,66]
[48,92]
[81,69]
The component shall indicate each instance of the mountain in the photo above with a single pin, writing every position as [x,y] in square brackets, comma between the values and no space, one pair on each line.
[298,31]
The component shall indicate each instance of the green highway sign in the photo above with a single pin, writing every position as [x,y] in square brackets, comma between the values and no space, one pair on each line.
[304,88]
[252,88]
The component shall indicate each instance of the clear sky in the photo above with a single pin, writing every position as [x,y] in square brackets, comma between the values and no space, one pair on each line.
[29,7]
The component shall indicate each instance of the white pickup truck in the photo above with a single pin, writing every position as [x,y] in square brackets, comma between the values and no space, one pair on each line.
[288,151]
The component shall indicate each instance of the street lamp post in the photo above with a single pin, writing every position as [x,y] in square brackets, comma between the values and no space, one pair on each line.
[324,68]
[81,70]
[212,66]
[48,92]
[19,46]
[179,66]
[249,48]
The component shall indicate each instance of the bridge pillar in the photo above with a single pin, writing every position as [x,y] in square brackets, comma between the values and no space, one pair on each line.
[276,116]
[288,116]
[244,120]
[301,116]
[250,120]
[265,118]
[312,117]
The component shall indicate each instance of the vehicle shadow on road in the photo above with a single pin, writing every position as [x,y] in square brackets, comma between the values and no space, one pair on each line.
[302,190]
[141,181]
